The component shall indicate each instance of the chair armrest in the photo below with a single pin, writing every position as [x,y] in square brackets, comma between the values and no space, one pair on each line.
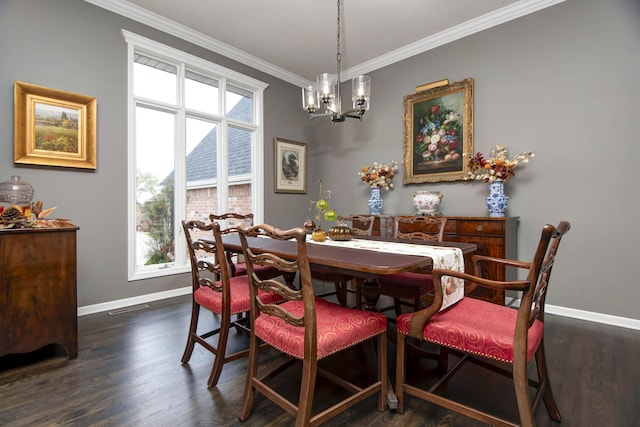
[479,259]
[420,318]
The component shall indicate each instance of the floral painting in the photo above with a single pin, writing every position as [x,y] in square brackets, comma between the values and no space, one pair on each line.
[438,133]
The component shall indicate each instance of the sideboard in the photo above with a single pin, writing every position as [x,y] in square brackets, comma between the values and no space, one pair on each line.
[38,303]
[493,236]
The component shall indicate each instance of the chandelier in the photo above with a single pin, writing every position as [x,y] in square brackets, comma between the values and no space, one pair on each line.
[326,91]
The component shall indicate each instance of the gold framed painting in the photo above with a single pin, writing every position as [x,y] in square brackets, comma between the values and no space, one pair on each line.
[53,127]
[438,133]
[290,166]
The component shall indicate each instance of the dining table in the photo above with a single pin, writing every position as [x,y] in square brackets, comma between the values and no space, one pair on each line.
[356,260]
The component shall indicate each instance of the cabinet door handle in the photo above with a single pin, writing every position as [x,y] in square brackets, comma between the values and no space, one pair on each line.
[478,228]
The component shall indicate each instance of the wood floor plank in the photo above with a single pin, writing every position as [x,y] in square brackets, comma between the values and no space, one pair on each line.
[128,373]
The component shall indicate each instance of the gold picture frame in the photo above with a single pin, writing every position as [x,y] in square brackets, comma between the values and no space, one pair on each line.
[290,166]
[438,133]
[53,127]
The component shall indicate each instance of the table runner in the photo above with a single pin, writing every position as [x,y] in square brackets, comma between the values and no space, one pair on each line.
[443,258]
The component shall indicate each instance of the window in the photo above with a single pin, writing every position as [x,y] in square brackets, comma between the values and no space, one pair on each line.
[195,148]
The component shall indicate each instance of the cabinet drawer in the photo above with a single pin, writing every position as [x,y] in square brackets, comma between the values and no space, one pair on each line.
[495,228]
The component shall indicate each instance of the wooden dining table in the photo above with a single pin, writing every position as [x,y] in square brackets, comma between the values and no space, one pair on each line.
[361,263]
[355,262]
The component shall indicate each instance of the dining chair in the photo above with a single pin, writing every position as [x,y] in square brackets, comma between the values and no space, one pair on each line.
[408,285]
[307,329]
[361,225]
[238,268]
[214,290]
[481,332]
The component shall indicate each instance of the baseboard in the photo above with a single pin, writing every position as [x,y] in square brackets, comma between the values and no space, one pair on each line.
[607,319]
[113,305]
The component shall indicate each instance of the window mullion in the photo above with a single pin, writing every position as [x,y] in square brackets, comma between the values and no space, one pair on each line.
[180,194]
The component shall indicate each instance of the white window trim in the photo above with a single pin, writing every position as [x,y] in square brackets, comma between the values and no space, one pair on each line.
[142,44]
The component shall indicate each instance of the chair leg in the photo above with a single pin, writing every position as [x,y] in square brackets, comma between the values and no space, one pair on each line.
[252,372]
[383,376]
[216,370]
[307,388]
[193,326]
[400,371]
[358,305]
[543,379]
[397,305]
[341,293]
[443,359]
[521,384]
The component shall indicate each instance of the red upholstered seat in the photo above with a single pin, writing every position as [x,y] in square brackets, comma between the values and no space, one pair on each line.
[409,285]
[479,330]
[338,328]
[263,271]
[307,328]
[461,329]
[224,297]
[240,297]
[406,285]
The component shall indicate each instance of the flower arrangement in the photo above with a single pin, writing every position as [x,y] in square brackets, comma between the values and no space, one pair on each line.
[439,135]
[379,175]
[498,166]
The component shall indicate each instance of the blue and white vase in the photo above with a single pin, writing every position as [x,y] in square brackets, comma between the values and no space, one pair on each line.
[497,201]
[375,202]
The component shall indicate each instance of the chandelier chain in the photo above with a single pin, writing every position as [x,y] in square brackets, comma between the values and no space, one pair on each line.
[338,37]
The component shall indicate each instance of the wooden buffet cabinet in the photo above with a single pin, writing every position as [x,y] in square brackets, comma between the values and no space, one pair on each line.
[38,290]
[493,236]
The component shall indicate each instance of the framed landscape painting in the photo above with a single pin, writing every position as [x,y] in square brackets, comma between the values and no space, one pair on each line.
[290,166]
[53,127]
[438,133]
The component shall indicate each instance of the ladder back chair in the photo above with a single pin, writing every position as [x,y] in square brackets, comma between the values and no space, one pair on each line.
[214,290]
[361,226]
[237,268]
[478,330]
[307,329]
[413,286]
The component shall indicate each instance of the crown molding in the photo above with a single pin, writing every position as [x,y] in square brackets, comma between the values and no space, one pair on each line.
[173,28]
[492,19]
[481,23]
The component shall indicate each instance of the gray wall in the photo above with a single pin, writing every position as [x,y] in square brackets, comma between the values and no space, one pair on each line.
[74,46]
[560,82]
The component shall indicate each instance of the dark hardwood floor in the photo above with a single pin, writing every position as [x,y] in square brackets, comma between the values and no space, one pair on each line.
[128,373]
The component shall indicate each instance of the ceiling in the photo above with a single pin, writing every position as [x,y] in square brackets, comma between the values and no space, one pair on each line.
[296,39]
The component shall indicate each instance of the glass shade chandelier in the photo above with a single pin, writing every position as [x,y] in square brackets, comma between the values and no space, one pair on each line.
[326,91]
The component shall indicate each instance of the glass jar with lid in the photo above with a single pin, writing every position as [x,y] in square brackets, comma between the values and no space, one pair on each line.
[16,191]
[17,195]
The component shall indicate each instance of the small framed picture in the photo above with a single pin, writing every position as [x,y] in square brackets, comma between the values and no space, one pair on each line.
[53,127]
[290,166]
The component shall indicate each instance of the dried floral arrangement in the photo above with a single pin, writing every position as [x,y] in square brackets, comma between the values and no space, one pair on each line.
[379,174]
[30,216]
[497,166]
